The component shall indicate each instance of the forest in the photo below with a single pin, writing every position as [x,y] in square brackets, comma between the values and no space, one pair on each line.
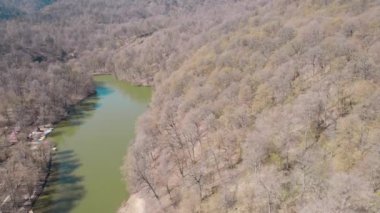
[258,105]
[276,110]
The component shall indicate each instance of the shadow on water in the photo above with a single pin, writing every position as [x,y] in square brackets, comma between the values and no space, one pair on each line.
[84,110]
[62,177]
[64,189]
[102,90]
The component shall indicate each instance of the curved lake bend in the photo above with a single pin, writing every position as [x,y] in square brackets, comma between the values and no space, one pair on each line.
[86,174]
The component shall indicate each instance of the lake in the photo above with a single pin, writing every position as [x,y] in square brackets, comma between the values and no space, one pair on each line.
[92,142]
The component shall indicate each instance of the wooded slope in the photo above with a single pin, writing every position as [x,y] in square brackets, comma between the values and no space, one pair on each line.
[277,111]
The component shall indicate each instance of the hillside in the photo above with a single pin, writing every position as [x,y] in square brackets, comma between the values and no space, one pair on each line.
[277,113]
[46,62]
[258,105]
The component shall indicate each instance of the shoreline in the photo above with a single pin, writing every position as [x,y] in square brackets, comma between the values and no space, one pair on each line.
[45,180]
[42,182]
[139,83]
[40,188]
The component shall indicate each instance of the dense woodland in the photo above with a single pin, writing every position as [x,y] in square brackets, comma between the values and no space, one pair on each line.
[259,105]
[276,110]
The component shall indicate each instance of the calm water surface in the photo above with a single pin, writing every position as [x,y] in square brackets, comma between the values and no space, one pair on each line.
[91,144]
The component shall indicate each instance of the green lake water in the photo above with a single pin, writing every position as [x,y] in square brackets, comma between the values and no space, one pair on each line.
[92,142]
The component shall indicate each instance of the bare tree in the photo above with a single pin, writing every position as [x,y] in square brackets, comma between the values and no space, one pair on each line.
[142,172]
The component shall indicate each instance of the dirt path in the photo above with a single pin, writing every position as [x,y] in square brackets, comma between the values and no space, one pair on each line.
[134,205]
